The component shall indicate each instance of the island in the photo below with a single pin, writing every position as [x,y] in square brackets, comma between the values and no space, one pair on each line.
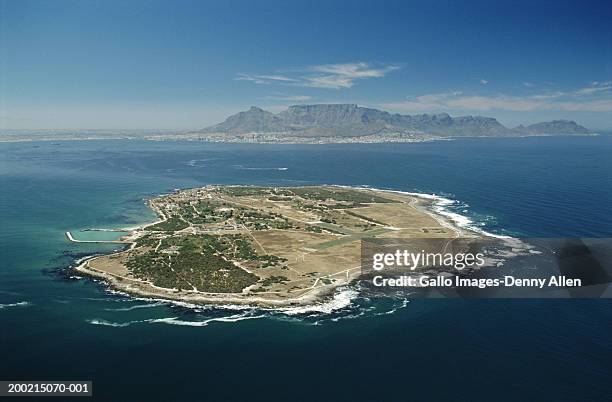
[265,246]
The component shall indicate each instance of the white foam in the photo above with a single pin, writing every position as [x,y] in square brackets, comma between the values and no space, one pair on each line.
[441,207]
[404,304]
[87,257]
[259,168]
[97,321]
[194,162]
[18,304]
[177,321]
[349,316]
[342,298]
[138,306]
[193,306]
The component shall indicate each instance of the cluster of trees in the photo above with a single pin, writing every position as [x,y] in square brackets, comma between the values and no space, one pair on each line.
[365,218]
[204,271]
[346,195]
[172,224]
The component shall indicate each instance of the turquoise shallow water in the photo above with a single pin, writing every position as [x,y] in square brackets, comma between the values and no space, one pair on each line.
[85,235]
[56,327]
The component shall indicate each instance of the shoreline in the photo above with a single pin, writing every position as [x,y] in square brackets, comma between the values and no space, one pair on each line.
[313,298]
[180,138]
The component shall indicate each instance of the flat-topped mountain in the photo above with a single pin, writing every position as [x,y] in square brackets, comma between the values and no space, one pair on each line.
[350,120]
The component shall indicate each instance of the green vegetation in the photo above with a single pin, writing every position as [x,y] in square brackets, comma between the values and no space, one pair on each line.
[279,198]
[245,191]
[309,207]
[282,191]
[365,218]
[243,248]
[259,220]
[204,271]
[332,228]
[270,260]
[233,246]
[346,195]
[315,229]
[173,224]
[328,220]
[146,240]
[274,279]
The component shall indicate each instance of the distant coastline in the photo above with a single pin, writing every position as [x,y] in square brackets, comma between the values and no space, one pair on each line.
[322,124]
[253,138]
[354,123]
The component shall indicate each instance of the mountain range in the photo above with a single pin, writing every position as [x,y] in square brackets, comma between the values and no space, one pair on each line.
[350,120]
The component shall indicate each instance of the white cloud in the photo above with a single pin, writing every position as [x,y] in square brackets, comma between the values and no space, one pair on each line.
[484,82]
[329,76]
[548,95]
[485,103]
[423,103]
[289,98]
[596,87]
[600,83]
[337,76]
[581,100]
[276,78]
[262,79]
[328,81]
[604,105]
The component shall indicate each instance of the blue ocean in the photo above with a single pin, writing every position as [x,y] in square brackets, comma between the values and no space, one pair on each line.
[56,326]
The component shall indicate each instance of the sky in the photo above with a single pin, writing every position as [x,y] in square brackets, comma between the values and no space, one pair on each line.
[189,64]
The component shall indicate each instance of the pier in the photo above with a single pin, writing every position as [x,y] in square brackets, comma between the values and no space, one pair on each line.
[72,239]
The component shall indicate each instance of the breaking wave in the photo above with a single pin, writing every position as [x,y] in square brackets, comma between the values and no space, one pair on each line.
[198,162]
[177,321]
[97,321]
[447,207]
[341,299]
[17,304]
[233,318]
[138,306]
[240,167]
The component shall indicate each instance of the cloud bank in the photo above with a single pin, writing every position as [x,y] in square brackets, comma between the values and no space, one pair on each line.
[329,76]
[596,97]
